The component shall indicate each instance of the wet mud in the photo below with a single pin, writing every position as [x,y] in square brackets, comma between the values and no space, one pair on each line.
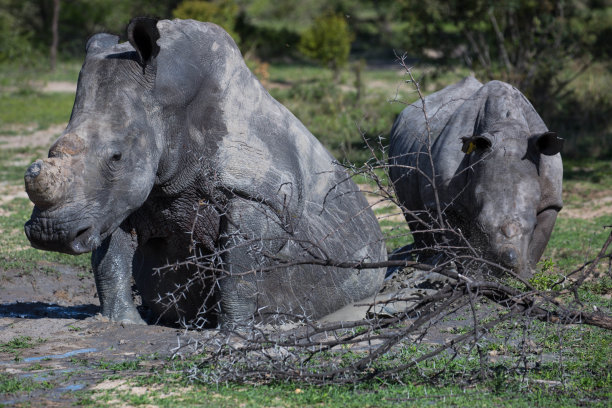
[51,333]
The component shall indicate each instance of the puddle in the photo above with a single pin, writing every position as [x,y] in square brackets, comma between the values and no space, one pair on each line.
[65,355]
[73,387]
[37,310]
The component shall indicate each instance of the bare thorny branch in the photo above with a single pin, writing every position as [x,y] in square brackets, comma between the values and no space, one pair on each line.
[288,344]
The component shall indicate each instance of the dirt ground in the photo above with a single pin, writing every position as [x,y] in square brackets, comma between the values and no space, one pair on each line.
[72,347]
[58,313]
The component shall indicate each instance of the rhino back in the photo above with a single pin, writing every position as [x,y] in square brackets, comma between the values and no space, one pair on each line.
[263,153]
[324,210]
[410,135]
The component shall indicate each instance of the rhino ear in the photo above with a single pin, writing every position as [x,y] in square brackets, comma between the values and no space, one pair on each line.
[549,143]
[143,34]
[476,142]
[100,41]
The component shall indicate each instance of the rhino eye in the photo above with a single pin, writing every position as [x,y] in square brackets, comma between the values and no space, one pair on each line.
[116,156]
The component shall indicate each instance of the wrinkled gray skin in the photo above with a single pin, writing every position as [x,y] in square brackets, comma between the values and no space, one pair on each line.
[505,194]
[173,122]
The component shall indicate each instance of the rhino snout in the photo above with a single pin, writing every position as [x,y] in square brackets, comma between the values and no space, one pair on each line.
[46,181]
[509,257]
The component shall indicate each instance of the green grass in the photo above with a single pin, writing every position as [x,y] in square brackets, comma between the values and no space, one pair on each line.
[508,393]
[10,384]
[582,178]
[397,234]
[575,241]
[12,75]
[129,365]
[332,112]
[17,344]
[42,109]
[13,162]
[583,377]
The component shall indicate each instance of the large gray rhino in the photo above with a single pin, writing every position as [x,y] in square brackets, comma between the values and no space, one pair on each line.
[172,140]
[498,171]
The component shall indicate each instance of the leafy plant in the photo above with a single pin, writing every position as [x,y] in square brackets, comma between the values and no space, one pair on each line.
[545,278]
[328,41]
[12,384]
[221,12]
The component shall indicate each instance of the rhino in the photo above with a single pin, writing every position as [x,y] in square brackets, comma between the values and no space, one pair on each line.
[496,167]
[177,168]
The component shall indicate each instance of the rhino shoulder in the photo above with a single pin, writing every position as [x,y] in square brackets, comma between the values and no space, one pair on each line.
[411,126]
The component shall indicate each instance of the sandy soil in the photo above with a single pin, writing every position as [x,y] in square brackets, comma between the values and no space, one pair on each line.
[27,137]
[60,86]
[597,206]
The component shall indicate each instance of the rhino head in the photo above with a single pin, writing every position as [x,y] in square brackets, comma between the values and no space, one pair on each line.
[512,208]
[105,163]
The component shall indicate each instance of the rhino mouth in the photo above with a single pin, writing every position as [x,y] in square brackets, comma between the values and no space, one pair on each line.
[66,234]
[86,240]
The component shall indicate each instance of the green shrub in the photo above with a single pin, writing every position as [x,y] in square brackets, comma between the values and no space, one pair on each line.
[327,41]
[221,12]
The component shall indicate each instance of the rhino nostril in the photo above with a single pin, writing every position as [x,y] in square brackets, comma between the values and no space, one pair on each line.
[509,258]
[34,170]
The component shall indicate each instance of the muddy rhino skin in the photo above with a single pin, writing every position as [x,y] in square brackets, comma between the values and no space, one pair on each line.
[172,141]
[498,170]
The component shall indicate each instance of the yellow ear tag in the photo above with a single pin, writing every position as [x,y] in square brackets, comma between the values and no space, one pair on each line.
[471,147]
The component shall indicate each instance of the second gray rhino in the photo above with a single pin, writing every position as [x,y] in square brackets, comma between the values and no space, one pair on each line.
[497,169]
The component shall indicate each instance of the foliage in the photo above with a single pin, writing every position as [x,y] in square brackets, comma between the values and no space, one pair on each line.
[541,47]
[545,279]
[78,20]
[328,41]
[10,384]
[15,41]
[221,12]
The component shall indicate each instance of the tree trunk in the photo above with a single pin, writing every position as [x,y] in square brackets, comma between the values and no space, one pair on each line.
[55,34]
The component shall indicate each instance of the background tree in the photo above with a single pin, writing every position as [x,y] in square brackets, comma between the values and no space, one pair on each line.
[328,41]
[54,33]
[541,47]
[221,12]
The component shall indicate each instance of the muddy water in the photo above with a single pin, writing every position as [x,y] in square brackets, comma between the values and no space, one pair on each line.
[69,341]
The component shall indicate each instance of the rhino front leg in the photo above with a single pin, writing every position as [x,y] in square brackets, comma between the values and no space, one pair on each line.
[541,235]
[251,232]
[112,267]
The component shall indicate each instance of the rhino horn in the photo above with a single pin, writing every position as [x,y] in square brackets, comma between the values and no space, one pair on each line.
[46,181]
